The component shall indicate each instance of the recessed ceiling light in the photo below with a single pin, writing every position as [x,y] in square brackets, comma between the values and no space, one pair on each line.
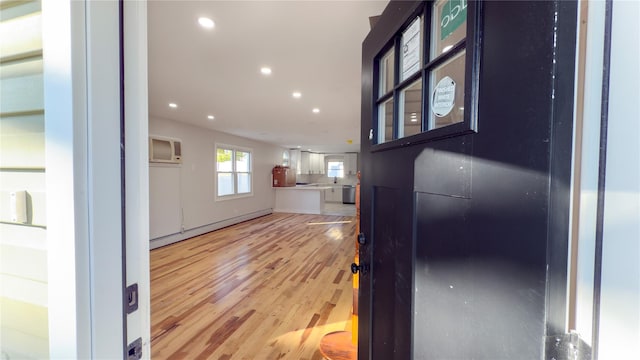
[315,110]
[206,23]
[265,70]
[296,94]
[308,149]
[173,105]
[299,146]
[414,120]
[211,117]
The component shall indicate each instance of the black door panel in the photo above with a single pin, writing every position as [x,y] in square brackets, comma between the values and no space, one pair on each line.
[471,304]
[392,263]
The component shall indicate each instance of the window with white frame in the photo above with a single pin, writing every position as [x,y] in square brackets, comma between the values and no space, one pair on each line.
[233,171]
[335,168]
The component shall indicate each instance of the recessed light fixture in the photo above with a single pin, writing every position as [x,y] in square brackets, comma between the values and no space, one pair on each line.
[265,70]
[315,110]
[173,105]
[211,117]
[414,120]
[299,146]
[206,23]
[296,94]
[308,149]
[447,48]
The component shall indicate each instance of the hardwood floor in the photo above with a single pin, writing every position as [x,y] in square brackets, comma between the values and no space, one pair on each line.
[269,288]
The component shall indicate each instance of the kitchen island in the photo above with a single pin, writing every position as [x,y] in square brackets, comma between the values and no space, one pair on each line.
[305,199]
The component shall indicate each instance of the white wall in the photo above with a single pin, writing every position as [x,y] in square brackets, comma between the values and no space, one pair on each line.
[24,310]
[196,188]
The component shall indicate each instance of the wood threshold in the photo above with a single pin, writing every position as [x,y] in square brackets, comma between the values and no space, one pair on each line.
[268,288]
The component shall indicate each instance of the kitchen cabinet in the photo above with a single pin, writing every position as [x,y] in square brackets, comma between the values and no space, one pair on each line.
[294,160]
[311,163]
[300,199]
[350,163]
[334,194]
[317,163]
[305,158]
[321,165]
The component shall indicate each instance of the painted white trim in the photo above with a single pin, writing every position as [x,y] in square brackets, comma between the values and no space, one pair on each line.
[83,178]
[66,183]
[137,169]
[103,159]
[170,239]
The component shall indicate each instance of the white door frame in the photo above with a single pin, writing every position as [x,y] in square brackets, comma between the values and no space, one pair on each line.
[137,169]
[82,118]
[607,231]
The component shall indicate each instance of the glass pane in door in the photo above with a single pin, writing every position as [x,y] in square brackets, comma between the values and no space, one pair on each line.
[385,121]
[411,49]
[386,73]
[411,111]
[449,25]
[446,103]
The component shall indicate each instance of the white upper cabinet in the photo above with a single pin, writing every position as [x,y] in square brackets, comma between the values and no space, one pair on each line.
[314,164]
[305,162]
[294,160]
[351,163]
[311,163]
[317,163]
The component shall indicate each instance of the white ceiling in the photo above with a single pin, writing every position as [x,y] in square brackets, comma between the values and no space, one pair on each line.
[312,46]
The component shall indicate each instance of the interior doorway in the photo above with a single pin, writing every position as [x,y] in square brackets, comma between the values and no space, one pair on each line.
[241,114]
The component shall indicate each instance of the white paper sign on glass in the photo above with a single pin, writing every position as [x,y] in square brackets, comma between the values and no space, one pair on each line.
[411,49]
[443,97]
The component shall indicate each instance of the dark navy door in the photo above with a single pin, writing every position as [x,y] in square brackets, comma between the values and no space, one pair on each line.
[467,115]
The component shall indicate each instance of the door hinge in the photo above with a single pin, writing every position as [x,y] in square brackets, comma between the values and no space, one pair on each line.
[132,298]
[134,350]
[566,347]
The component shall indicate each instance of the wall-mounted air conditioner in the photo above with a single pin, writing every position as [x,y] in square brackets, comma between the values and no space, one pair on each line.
[165,150]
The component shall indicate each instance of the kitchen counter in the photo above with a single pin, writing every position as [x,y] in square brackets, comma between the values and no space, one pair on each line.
[303,187]
[302,199]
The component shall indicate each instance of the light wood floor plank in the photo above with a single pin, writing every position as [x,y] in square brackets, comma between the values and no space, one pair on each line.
[269,288]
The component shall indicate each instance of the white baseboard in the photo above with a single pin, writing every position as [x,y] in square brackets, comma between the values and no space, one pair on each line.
[173,238]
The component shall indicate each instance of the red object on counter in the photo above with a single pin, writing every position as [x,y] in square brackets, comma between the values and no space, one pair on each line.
[283,176]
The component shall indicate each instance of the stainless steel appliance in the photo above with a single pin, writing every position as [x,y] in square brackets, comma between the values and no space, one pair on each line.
[348,194]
